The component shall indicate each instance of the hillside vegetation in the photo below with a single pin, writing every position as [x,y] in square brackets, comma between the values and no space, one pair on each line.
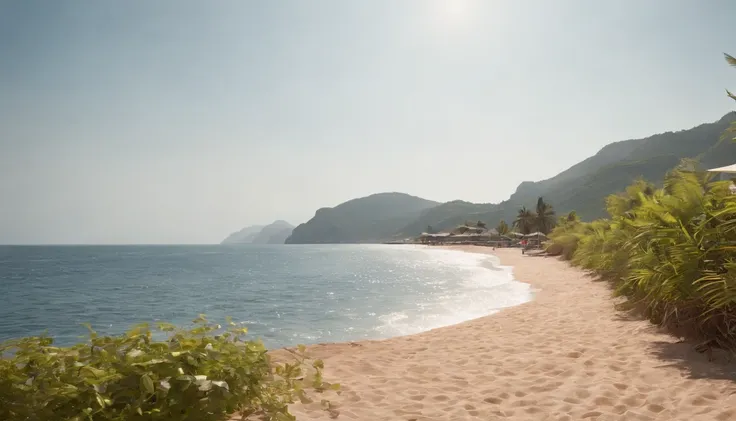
[369,219]
[444,216]
[582,188]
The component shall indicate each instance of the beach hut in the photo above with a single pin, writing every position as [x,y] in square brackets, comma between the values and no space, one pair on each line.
[536,238]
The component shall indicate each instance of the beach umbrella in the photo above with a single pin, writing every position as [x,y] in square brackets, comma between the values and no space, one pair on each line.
[728,169]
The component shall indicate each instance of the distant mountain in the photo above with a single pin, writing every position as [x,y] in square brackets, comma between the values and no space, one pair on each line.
[368,219]
[246,235]
[582,188]
[275,233]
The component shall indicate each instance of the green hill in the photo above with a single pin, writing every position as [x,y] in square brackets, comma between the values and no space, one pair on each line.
[582,188]
[444,216]
[368,219]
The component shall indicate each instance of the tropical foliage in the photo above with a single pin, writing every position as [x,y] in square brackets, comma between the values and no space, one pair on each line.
[503,228]
[543,220]
[524,221]
[671,252]
[202,374]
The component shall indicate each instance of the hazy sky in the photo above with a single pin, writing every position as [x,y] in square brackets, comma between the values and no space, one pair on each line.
[180,121]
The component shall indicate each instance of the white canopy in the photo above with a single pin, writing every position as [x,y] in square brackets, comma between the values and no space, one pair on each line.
[536,234]
[727,169]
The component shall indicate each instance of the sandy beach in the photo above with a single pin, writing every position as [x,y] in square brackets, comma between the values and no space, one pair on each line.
[566,355]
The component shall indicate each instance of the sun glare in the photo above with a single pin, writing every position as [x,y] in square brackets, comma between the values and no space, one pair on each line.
[452,14]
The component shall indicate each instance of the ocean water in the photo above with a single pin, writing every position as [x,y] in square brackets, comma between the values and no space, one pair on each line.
[286,295]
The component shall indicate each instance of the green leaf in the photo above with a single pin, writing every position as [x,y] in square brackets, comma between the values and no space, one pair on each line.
[138,376]
[100,400]
[146,384]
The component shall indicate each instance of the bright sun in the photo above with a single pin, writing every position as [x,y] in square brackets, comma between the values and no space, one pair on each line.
[456,9]
[452,13]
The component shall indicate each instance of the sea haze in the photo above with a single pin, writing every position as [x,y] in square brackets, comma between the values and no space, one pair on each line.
[285,295]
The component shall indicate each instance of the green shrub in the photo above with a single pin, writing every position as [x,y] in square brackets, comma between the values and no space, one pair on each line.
[206,373]
[671,252]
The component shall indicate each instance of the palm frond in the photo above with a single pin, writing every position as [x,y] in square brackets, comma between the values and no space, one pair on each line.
[730,59]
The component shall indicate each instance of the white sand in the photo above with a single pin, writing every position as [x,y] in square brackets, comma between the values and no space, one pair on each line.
[567,355]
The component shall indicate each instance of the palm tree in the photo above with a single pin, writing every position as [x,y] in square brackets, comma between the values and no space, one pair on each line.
[544,219]
[502,228]
[525,220]
[732,129]
[568,220]
[623,204]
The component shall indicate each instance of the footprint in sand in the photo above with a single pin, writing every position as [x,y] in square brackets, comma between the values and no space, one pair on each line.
[603,401]
[493,400]
[655,408]
[621,386]
[524,402]
[582,393]
[619,409]
[726,415]
[633,401]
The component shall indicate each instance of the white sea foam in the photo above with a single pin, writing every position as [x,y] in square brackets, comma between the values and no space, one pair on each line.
[483,287]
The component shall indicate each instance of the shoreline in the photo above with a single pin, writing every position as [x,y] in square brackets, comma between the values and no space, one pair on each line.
[565,355]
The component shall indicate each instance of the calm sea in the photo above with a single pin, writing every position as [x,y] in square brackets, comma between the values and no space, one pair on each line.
[285,295]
